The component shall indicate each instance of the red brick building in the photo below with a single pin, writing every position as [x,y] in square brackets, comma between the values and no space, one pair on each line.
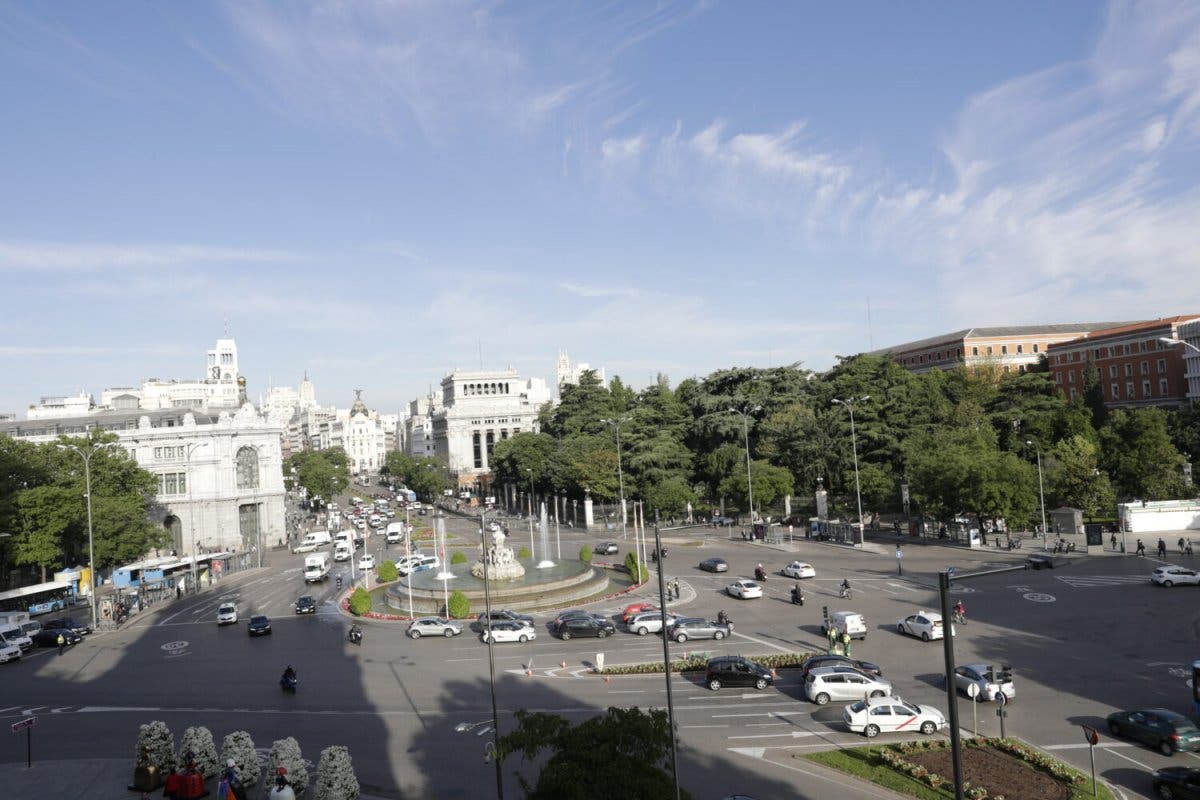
[1136,369]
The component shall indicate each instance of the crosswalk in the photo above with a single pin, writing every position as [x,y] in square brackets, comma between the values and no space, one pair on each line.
[1094,581]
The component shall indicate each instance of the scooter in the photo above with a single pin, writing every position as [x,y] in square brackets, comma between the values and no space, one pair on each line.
[760,574]
[289,684]
[798,597]
[355,635]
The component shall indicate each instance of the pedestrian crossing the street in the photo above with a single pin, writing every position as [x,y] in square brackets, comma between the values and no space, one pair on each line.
[1094,581]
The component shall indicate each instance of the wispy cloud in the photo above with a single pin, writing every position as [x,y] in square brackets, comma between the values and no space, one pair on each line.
[64,256]
[593,290]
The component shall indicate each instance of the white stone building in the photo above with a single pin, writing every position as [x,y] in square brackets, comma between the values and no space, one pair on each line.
[79,405]
[1190,332]
[480,408]
[418,430]
[363,436]
[220,473]
[222,386]
[567,373]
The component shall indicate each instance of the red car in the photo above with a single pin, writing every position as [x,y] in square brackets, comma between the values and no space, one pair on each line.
[636,608]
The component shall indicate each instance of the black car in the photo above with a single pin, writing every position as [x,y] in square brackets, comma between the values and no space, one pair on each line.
[736,671]
[1165,730]
[833,661]
[1177,782]
[714,565]
[70,623]
[607,548]
[1046,561]
[306,605]
[584,626]
[49,637]
[574,613]
[504,615]
[259,626]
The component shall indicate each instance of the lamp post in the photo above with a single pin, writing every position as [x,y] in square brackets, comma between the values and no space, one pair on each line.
[86,455]
[532,548]
[746,435]
[616,424]
[192,510]
[849,404]
[487,601]
[1041,493]
[1169,340]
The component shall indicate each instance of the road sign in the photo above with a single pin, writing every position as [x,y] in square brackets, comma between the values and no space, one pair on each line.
[951,570]
[972,690]
[1001,699]
[28,722]
[899,553]
[1089,733]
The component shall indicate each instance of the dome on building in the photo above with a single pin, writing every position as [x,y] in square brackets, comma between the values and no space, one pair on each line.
[359,406]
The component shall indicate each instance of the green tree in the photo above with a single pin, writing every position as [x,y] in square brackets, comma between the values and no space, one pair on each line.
[580,409]
[323,473]
[585,554]
[770,484]
[636,569]
[1093,395]
[46,514]
[460,606]
[878,484]
[360,601]
[671,496]
[512,457]
[458,557]
[428,478]
[568,755]
[1184,427]
[388,572]
[1075,478]
[1140,457]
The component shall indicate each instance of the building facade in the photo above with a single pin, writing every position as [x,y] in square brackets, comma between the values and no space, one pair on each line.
[1189,332]
[1013,348]
[1135,368]
[418,431]
[220,474]
[478,409]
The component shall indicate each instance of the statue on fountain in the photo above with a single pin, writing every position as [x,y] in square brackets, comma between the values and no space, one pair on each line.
[499,562]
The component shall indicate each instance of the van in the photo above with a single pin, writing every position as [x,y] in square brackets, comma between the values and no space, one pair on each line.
[342,552]
[847,622]
[318,538]
[11,634]
[418,563]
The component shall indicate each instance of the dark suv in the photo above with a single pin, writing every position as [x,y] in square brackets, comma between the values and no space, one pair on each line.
[736,671]
[70,623]
[504,615]
[838,661]
[584,626]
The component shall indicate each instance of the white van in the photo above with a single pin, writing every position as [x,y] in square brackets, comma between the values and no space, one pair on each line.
[847,622]
[342,552]
[11,634]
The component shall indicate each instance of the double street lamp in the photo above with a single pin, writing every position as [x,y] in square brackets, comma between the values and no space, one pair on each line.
[616,424]
[1041,491]
[86,454]
[849,404]
[745,414]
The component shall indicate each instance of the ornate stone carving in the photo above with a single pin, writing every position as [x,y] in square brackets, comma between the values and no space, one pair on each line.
[500,563]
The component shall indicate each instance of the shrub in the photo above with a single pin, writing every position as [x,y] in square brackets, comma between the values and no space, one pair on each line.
[459,557]
[585,554]
[460,606]
[524,553]
[387,572]
[360,601]
[155,740]
[240,747]
[197,742]
[335,775]
[638,571]
[285,754]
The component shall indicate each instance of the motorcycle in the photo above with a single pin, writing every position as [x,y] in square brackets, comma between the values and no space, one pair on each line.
[760,574]
[798,597]
[289,683]
[355,635]
[723,619]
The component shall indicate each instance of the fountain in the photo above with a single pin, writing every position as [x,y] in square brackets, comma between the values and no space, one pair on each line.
[500,563]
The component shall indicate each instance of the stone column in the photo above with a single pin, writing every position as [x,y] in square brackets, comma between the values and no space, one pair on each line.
[588,518]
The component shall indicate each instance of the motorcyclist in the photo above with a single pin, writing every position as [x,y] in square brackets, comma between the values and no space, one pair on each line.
[339,581]
[760,574]
[356,633]
[722,617]
[960,613]
[797,595]
[845,587]
[289,677]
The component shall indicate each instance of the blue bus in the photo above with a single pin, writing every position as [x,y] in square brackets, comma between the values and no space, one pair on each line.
[40,598]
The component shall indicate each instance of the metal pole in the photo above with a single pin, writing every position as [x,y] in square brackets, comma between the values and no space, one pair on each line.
[621,481]
[532,547]
[666,640]
[749,482]
[487,601]
[87,477]
[408,535]
[862,532]
[558,538]
[1042,497]
[951,693]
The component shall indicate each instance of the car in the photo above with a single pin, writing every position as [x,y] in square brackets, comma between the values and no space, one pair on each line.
[736,671]
[992,681]
[305,548]
[926,625]
[607,548]
[744,589]
[48,637]
[1176,782]
[9,652]
[1170,575]
[838,661]
[227,614]
[508,631]
[722,522]
[649,622]
[699,628]
[875,715]
[1165,730]
[306,604]
[70,623]
[589,626]
[714,565]
[1046,561]
[798,569]
[504,615]
[572,613]
[636,608]
[433,626]
[366,562]
[850,622]
[259,625]
[835,683]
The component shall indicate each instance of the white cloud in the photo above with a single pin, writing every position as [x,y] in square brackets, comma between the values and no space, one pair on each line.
[61,256]
[616,152]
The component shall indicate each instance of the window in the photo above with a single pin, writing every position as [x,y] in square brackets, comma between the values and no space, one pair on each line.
[1128,370]
[1004,349]
[1142,346]
[1020,348]
[1070,377]
[1112,370]
[1162,365]
[1058,377]
[1146,388]
[1115,390]
[247,468]
[989,350]
[172,483]
[1163,387]
[1072,393]
[1096,353]
[1145,367]
[974,351]
[1035,347]
[1129,392]
[1006,368]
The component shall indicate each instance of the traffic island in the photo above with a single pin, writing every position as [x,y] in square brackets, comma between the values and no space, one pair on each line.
[993,769]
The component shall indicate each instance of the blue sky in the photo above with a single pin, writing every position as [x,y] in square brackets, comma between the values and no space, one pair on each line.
[377,192]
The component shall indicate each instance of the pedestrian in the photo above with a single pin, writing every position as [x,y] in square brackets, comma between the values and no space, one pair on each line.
[1162,549]
[1113,541]
[1180,545]
[62,643]
[846,643]
[1141,549]
[831,634]
[676,587]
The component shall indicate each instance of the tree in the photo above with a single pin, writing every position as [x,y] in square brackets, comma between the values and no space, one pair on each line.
[1140,457]
[1093,395]
[459,606]
[45,515]
[335,775]
[770,483]
[671,496]
[640,741]
[877,482]
[360,601]
[158,745]
[286,755]
[388,572]
[197,743]
[322,473]
[636,569]
[1075,478]
[581,408]
[458,557]
[240,747]
[1184,426]
[512,457]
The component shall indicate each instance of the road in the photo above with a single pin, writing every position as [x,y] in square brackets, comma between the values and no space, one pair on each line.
[1083,641]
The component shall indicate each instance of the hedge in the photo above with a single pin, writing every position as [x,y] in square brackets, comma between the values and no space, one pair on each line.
[585,554]
[387,572]
[458,557]
[698,662]
[360,602]
[460,606]
[524,553]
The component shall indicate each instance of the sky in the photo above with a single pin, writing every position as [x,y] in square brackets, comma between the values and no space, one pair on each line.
[380,193]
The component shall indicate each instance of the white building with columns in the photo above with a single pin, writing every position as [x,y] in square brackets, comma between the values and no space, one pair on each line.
[220,473]
[478,409]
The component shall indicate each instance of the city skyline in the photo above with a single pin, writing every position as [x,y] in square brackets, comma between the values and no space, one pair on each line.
[379,194]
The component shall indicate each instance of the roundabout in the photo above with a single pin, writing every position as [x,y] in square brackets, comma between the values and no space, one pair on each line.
[567,581]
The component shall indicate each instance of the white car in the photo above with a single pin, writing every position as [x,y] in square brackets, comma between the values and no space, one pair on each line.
[833,683]
[927,625]
[744,589]
[875,715]
[649,622]
[366,562]
[990,682]
[1171,576]
[226,614]
[305,548]
[798,569]
[508,632]
[9,652]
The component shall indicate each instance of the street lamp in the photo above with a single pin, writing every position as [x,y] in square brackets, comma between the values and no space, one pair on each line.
[746,434]
[192,510]
[1169,340]
[86,455]
[532,548]
[849,404]
[616,424]
[1041,493]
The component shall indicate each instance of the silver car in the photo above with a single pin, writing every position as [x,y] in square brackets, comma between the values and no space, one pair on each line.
[831,683]
[649,622]
[433,626]
[991,681]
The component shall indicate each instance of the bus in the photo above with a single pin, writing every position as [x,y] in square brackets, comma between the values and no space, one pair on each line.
[41,598]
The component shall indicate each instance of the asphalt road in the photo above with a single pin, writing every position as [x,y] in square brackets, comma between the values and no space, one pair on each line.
[1083,641]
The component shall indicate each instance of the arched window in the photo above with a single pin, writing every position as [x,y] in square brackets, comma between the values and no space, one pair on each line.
[247,468]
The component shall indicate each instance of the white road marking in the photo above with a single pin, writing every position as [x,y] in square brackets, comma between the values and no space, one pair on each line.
[703,726]
[792,735]
[902,586]
[760,714]
[763,642]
